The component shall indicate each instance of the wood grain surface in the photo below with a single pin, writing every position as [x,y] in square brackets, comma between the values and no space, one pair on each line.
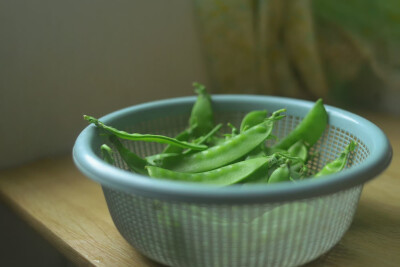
[70,212]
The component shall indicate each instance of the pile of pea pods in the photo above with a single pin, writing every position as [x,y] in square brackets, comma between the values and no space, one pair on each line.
[202,154]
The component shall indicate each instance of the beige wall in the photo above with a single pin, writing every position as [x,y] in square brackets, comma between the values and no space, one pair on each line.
[62,59]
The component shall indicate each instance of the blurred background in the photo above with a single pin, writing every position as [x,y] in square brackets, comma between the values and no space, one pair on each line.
[62,59]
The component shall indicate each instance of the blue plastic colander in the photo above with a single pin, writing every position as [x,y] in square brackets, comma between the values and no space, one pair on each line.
[189,224]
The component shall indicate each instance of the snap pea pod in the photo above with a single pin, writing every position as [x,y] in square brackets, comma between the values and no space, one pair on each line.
[257,152]
[204,138]
[107,154]
[339,163]
[281,174]
[299,149]
[298,167]
[226,152]
[310,128]
[253,118]
[262,174]
[134,162]
[157,159]
[177,151]
[202,112]
[223,176]
[144,137]
[182,136]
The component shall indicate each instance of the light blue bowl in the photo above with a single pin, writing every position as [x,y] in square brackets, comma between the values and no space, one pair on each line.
[285,224]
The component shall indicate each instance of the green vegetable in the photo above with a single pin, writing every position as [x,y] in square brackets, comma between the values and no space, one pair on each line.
[339,163]
[240,156]
[134,162]
[202,113]
[203,139]
[234,131]
[253,118]
[182,136]
[201,119]
[310,128]
[223,176]
[226,152]
[281,174]
[156,159]
[299,149]
[144,137]
[107,154]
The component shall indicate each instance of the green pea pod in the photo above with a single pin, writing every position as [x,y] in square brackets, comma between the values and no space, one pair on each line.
[223,176]
[257,152]
[202,112]
[144,137]
[261,150]
[252,119]
[226,152]
[298,170]
[215,141]
[339,163]
[182,136]
[299,149]
[261,175]
[156,159]
[310,128]
[107,154]
[134,162]
[205,138]
[281,174]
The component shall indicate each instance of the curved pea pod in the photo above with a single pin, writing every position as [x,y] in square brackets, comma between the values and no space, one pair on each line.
[226,152]
[252,119]
[310,128]
[143,137]
[134,162]
[281,174]
[202,113]
[107,154]
[339,163]
[300,150]
[223,176]
[297,167]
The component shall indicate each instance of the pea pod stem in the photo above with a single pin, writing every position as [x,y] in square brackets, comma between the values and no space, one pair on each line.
[204,138]
[144,137]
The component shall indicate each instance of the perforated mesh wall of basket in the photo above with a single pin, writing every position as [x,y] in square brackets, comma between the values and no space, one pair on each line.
[270,229]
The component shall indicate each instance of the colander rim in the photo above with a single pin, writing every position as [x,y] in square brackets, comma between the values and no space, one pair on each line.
[92,166]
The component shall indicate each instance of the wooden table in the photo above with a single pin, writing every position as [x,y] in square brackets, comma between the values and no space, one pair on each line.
[70,212]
